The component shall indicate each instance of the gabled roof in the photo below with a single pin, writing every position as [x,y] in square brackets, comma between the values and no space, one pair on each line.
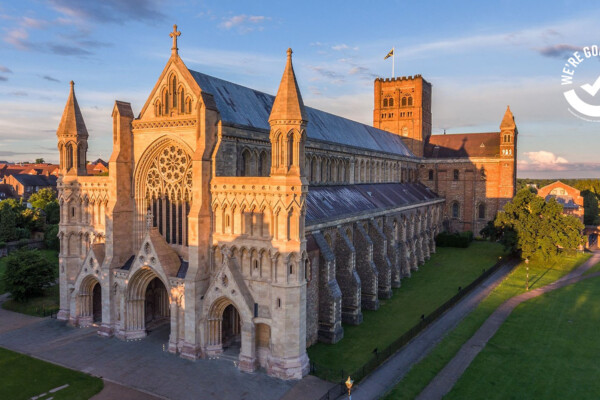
[325,203]
[463,145]
[243,106]
[35,180]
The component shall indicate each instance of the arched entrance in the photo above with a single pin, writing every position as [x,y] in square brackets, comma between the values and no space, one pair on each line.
[89,302]
[156,305]
[147,306]
[224,328]
[97,303]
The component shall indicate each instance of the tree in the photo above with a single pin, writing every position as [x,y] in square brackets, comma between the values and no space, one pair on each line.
[51,237]
[537,228]
[27,274]
[42,198]
[8,222]
[590,208]
[52,211]
[39,161]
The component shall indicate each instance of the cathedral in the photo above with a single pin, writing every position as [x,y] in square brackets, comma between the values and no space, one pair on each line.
[249,223]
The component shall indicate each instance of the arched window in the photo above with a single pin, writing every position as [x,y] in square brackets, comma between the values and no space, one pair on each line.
[307,270]
[188,105]
[385,102]
[181,100]
[481,211]
[404,102]
[391,103]
[166,101]
[430,174]
[291,269]
[262,164]
[69,156]
[410,101]
[245,166]
[456,175]
[455,209]
[290,149]
[174,90]
[157,110]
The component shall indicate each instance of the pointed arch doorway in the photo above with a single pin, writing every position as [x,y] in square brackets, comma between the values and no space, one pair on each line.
[224,329]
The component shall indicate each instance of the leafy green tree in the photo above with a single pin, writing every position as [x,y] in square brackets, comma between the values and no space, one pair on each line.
[39,161]
[32,220]
[537,228]
[590,208]
[42,197]
[52,211]
[8,222]
[27,274]
[51,237]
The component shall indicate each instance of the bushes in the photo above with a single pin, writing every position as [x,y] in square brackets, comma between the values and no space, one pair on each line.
[27,274]
[461,240]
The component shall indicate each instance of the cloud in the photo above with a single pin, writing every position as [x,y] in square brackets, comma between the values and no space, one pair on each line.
[545,158]
[327,73]
[6,70]
[3,78]
[18,38]
[343,46]
[19,93]
[49,78]
[558,50]
[115,11]
[244,23]
[66,50]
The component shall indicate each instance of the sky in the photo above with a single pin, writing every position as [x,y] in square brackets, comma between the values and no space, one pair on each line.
[480,56]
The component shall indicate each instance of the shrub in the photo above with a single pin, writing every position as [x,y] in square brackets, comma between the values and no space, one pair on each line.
[27,274]
[51,237]
[446,239]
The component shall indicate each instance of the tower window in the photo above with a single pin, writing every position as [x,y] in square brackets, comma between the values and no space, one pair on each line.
[385,102]
[455,209]
[410,101]
[391,102]
[456,175]
[404,102]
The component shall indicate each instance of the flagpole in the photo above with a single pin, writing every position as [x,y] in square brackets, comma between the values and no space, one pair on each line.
[393,61]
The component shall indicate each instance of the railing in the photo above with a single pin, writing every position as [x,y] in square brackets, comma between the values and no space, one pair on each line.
[379,356]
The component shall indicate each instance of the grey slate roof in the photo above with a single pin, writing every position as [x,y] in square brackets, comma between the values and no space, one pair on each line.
[325,203]
[248,107]
[35,180]
[567,201]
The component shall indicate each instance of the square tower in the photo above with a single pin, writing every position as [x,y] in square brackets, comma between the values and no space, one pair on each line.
[403,106]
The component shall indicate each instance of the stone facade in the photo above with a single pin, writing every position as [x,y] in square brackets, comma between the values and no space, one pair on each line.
[240,220]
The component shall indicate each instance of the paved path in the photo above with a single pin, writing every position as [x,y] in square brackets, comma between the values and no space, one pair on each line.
[449,375]
[140,369]
[393,370]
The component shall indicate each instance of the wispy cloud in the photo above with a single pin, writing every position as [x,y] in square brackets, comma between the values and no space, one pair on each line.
[559,50]
[4,69]
[49,78]
[3,78]
[19,93]
[343,46]
[115,11]
[244,23]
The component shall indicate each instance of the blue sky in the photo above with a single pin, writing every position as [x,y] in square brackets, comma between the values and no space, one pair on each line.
[479,56]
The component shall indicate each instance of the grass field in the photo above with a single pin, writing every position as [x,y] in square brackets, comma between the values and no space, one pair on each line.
[540,274]
[435,282]
[48,302]
[547,349]
[23,377]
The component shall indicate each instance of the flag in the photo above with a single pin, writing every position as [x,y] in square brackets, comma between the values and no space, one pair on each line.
[391,53]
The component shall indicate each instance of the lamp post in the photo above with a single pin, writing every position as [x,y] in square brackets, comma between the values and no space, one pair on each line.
[527,267]
[349,383]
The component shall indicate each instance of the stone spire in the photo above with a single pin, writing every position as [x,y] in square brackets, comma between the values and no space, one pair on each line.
[508,122]
[288,103]
[71,123]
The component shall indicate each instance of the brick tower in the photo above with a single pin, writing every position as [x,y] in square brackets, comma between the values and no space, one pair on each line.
[403,106]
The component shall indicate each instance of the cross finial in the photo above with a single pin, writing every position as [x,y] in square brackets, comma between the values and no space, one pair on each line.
[174,35]
[149,219]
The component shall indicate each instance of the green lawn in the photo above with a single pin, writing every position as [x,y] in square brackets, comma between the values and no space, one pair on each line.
[23,377]
[49,301]
[540,274]
[551,346]
[435,282]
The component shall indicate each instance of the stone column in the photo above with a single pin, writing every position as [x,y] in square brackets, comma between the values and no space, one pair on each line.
[366,268]
[381,260]
[347,278]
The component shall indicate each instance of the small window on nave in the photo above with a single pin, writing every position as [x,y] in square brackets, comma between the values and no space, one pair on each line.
[430,174]
[481,211]
[456,174]
[455,209]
